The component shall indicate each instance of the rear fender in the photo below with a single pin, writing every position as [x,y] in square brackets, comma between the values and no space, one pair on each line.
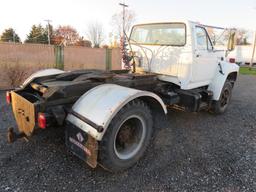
[42,73]
[94,110]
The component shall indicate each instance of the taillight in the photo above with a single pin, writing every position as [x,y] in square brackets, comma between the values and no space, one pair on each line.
[8,97]
[41,120]
[232,60]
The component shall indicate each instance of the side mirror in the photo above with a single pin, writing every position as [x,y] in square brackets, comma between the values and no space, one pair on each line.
[231,41]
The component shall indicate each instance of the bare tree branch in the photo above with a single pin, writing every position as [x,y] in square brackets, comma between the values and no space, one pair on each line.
[95,34]
[117,21]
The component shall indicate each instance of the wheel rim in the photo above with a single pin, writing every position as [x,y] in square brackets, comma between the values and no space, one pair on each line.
[129,137]
[225,98]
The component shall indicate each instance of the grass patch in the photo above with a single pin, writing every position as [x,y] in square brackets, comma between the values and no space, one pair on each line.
[247,71]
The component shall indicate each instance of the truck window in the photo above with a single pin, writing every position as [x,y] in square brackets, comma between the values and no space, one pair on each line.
[202,39]
[162,34]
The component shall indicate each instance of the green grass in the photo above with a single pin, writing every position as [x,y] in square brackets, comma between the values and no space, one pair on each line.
[247,71]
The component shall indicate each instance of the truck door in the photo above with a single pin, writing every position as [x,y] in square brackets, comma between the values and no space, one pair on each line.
[205,59]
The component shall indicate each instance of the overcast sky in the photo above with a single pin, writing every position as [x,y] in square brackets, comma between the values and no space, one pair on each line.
[22,14]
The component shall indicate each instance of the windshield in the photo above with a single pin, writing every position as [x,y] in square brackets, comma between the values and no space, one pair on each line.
[166,34]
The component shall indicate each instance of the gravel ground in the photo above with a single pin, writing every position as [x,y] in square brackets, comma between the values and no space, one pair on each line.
[191,152]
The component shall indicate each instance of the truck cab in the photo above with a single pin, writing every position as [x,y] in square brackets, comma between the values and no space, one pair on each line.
[180,52]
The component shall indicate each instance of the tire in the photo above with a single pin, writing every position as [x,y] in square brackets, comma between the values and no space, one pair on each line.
[127,137]
[220,106]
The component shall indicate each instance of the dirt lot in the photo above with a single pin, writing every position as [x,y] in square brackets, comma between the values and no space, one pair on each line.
[191,152]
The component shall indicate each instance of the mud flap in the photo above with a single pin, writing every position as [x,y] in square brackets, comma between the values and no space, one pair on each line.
[24,113]
[81,144]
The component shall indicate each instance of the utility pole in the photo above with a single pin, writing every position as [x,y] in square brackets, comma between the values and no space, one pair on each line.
[48,22]
[253,50]
[124,6]
[13,36]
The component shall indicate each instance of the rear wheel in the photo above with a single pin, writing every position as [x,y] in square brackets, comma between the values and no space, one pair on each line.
[127,137]
[220,106]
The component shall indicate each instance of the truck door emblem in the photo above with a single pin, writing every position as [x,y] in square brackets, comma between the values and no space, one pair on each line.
[80,137]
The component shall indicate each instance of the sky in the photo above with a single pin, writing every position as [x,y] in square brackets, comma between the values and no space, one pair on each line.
[22,14]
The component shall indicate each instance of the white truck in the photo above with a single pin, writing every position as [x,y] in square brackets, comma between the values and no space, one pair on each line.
[243,53]
[109,116]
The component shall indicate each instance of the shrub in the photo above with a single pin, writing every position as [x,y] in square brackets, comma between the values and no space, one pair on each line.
[15,74]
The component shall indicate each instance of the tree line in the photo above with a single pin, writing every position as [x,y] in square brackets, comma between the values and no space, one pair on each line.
[67,35]
[62,35]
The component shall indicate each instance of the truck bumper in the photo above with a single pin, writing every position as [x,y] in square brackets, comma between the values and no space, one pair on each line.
[81,144]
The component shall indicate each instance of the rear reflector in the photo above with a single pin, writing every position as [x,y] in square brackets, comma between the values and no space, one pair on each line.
[232,60]
[8,97]
[41,120]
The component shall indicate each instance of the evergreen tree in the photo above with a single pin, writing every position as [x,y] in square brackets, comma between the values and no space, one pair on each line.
[9,35]
[38,34]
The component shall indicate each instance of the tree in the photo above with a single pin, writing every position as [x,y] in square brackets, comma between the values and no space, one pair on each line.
[117,21]
[38,34]
[9,35]
[242,37]
[95,34]
[65,35]
[83,43]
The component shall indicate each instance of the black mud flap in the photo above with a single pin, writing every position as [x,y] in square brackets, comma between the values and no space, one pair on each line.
[81,144]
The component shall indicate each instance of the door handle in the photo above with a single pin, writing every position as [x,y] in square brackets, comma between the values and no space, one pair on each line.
[198,55]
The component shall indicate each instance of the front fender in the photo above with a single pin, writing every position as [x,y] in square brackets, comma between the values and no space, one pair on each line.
[98,106]
[219,79]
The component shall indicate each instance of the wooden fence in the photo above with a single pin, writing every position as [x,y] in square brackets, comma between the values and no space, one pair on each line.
[17,61]
[84,58]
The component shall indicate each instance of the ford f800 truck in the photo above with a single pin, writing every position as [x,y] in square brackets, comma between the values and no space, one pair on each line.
[109,116]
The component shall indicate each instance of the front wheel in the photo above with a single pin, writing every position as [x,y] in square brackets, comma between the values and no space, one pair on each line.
[220,106]
[127,137]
